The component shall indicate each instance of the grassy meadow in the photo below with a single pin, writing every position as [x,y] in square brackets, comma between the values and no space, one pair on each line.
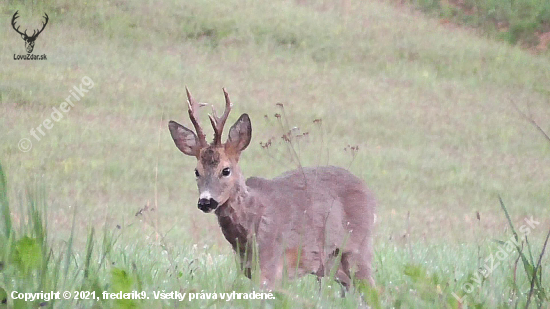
[104,201]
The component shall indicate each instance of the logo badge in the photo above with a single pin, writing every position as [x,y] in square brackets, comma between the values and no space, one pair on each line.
[29,39]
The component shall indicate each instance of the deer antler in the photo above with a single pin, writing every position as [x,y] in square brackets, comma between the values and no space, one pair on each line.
[13,24]
[192,108]
[34,34]
[43,26]
[218,123]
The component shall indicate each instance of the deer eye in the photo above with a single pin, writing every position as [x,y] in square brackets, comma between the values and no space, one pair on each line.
[226,172]
[197,173]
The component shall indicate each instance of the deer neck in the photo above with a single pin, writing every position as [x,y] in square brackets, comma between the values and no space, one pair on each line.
[235,218]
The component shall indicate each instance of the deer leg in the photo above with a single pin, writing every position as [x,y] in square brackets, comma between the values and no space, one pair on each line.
[271,267]
[344,274]
[345,264]
[344,280]
[362,261]
[341,275]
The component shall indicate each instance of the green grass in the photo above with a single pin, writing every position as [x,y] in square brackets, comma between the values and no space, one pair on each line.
[515,21]
[429,107]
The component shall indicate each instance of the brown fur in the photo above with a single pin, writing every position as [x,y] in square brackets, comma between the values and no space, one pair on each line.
[302,221]
[317,212]
[210,157]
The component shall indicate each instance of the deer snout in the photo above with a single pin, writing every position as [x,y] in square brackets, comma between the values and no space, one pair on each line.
[207,204]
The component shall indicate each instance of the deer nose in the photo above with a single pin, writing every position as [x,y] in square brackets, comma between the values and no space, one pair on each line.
[207,205]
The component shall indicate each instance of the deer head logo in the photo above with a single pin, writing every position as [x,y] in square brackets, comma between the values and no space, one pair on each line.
[29,40]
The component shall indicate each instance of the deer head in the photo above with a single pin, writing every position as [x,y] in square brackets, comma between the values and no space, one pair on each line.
[217,172]
[29,40]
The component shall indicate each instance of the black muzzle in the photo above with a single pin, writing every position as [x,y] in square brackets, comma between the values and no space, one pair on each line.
[207,205]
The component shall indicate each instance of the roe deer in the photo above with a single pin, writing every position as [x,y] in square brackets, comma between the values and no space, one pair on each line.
[301,221]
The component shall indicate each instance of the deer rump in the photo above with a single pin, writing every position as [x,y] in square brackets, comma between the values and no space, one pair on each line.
[302,221]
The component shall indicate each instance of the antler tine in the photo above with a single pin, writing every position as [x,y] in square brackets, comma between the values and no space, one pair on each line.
[43,26]
[218,123]
[192,107]
[13,23]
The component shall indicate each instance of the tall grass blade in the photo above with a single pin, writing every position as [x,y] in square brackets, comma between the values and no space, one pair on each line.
[89,250]
[69,253]
[538,269]
[4,204]
[529,267]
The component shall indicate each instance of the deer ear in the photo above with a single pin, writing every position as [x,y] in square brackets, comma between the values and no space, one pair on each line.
[239,134]
[185,139]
